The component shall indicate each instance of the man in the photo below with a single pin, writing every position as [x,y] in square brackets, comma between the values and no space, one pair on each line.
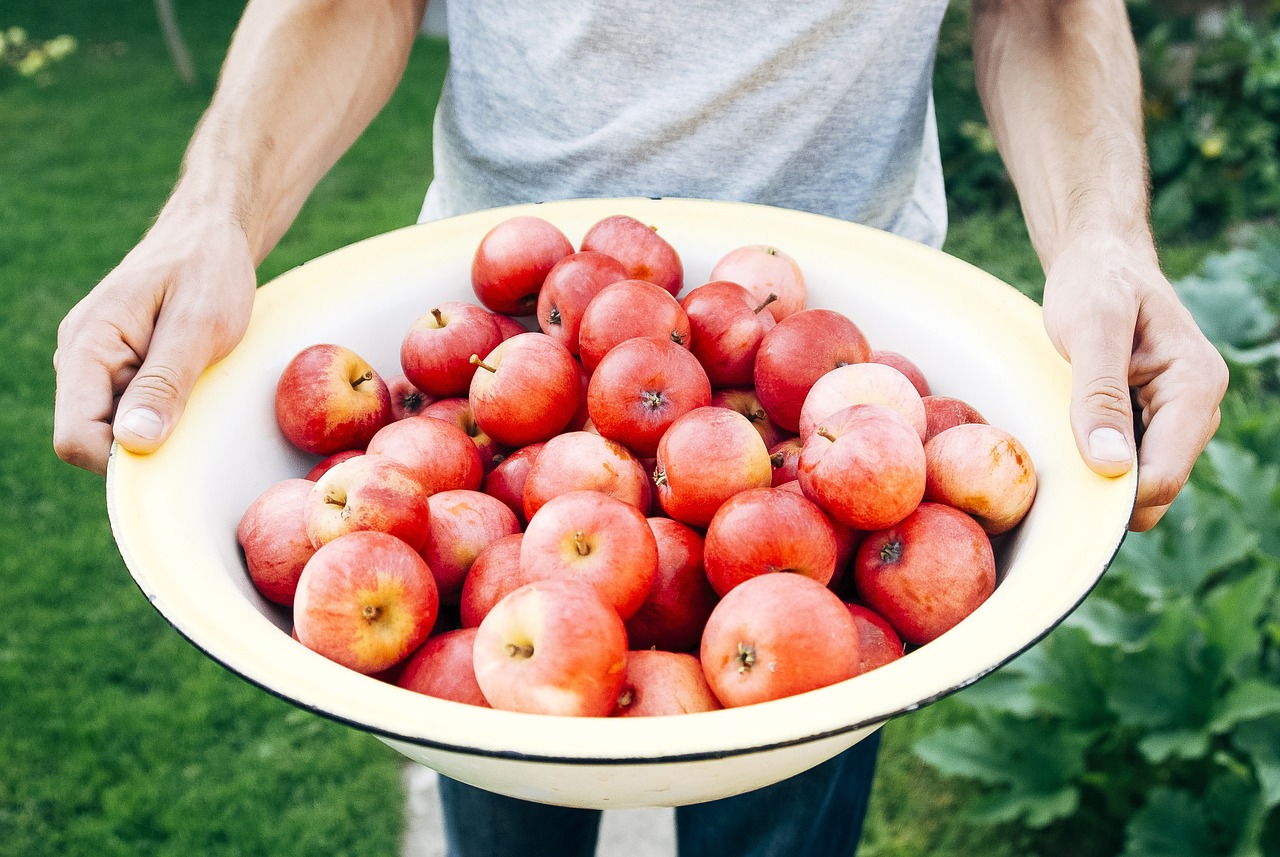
[823,106]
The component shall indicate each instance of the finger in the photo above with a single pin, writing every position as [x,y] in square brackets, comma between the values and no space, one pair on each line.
[1101,410]
[1144,518]
[1177,432]
[84,401]
[155,398]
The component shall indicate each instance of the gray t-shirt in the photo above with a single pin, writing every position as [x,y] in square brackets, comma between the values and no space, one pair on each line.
[818,106]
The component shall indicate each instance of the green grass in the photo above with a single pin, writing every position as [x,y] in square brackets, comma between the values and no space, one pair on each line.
[116,736]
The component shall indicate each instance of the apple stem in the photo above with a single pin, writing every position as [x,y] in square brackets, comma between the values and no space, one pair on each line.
[435,311]
[771,251]
[772,297]
[755,416]
[371,612]
[580,543]
[659,476]
[677,337]
[822,431]
[626,698]
[475,360]
[516,651]
[367,376]
[891,552]
[554,316]
[777,460]
[746,657]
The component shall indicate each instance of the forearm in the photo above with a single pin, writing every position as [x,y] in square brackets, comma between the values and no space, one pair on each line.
[300,83]
[1062,91]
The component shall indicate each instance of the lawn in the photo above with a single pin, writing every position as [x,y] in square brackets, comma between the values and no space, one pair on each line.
[117,737]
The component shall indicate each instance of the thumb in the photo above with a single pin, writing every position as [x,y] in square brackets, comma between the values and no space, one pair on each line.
[1101,405]
[150,406]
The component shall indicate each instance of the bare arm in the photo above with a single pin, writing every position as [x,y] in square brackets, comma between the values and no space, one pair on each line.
[302,79]
[1061,87]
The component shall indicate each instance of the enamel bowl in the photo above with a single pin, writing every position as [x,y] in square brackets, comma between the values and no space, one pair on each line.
[174,513]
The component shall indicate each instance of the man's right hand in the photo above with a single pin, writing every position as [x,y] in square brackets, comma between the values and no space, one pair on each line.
[131,350]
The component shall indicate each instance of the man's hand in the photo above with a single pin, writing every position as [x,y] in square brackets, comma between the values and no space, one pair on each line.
[1111,312]
[131,350]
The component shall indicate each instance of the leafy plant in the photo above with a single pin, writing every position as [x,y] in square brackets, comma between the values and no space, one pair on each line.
[31,58]
[1148,724]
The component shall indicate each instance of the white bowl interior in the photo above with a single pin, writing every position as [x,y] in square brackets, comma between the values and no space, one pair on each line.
[174,513]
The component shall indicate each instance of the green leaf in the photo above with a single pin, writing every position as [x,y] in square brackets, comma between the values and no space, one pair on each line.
[1034,810]
[1202,535]
[1229,311]
[1246,701]
[1171,209]
[1009,689]
[1170,824]
[1232,618]
[1260,741]
[1166,686]
[1075,679]
[1254,488]
[1108,624]
[1160,747]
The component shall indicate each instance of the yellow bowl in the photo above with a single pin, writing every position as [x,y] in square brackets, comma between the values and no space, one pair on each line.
[174,513]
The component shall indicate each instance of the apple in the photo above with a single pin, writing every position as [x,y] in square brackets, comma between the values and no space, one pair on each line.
[847,541]
[745,401]
[273,535]
[659,683]
[982,470]
[322,467]
[625,310]
[495,572]
[552,647]
[329,399]
[861,384]
[767,530]
[444,668]
[905,365]
[727,324]
[507,325]
[797,352]
[680,599]
[877,640]
[368,492]
[437,453]
[513,259]
[527,390]
[927,573]
[463,523]
[581,461]
[506,480]
[784,457]
[642,251]
[865,466]
[567,290]
[406,399]
[435,352]
[640,388]
[458,412]
[365,600]
[763,271]
[777,635]
[706,457]
[943,412]
[595,538]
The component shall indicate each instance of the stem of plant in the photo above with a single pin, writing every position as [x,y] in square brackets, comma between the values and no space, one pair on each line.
[772,297]
[476,361]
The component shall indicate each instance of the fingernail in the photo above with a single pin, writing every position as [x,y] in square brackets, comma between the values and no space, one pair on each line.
[143,422]
[1107,444]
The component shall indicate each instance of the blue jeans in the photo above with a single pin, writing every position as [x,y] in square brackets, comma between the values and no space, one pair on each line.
[817,813]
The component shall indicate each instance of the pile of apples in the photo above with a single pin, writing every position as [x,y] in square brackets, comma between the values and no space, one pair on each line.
[648,505]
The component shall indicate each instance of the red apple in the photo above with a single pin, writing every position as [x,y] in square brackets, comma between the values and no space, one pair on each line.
[877,640]
[982,470]
[640,388]
[512,261]
[436,351]
[273,535]
[680,599]
[365,600]
[552,647]
[660,683]
[527,390]
[495,572]
[463,523]
[744,401]
[861,384]
[581,461]
[368,492]
[506,480]
[323,467]
[458,412]
[444,668]
[943,412]
[765,271]
[595,538]
[642,251]
[905,365]
[569,287]
[766,530]
[329,399]
[865,466]
[796,353]
[784,456]
[727,324]
[406,399]
[777,635]
[926,573]
[847,541]
[706,457]
[508,326]
[437,453]
[625,310]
